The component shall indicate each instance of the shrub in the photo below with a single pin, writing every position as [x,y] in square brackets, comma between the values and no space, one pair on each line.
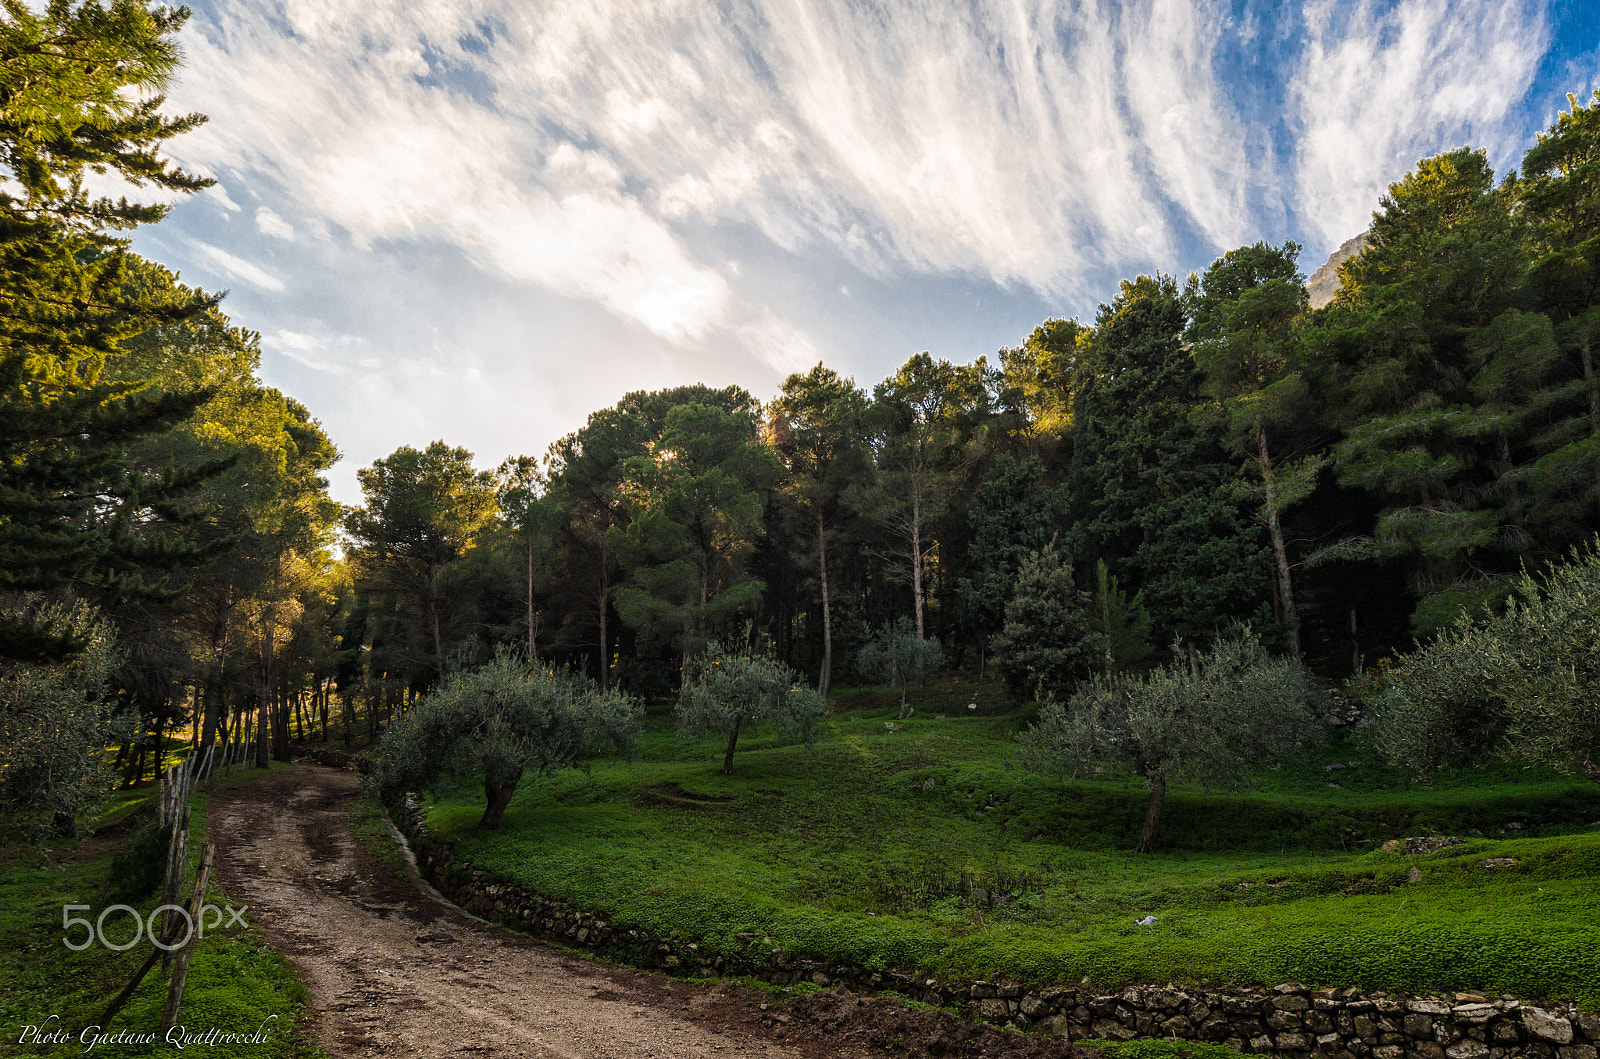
[503,719]
[55,724]
[1524,684]
[898,656]
[732,690]
[1237,708]
[1047,644]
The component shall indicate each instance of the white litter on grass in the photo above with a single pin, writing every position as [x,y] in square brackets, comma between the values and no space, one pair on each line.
[1146,921]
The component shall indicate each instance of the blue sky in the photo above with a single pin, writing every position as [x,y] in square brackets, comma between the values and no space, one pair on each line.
[483,219]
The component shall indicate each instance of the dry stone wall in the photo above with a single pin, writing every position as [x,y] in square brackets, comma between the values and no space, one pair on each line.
[1289,1019]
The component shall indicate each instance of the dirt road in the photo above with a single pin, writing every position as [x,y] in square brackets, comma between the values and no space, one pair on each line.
[391,972]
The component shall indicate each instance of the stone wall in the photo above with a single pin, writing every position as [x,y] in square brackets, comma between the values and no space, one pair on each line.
[1290,1019]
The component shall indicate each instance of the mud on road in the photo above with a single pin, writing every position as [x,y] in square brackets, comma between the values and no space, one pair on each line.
[391,972]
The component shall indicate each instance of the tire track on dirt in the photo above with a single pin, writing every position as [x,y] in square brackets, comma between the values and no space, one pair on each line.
[391,972]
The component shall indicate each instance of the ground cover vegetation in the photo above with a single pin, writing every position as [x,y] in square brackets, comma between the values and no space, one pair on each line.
[926,849]
[234,979]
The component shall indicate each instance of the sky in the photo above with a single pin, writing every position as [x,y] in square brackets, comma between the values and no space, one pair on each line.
[481,220]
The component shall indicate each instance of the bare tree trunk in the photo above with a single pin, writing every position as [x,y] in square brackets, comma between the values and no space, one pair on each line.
[1152,813]
[498,796]
[605,604]
[1594,390]
[733,740]
[1355,642]
[826,676]
[916,555]
[213,694]
[1280,552]
[270,723]
[533,646]
[438,638]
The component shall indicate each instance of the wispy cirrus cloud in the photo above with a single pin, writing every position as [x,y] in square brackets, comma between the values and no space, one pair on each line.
[1379,87]
[579,197]
[237,267]
[570,144]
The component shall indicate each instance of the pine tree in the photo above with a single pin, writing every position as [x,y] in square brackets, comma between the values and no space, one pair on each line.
[79,90]
[1150,485]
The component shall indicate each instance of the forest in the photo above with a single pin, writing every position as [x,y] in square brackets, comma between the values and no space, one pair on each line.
[1205,455]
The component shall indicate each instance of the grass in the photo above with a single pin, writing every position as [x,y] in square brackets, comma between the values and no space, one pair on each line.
[924,850]
[236,983]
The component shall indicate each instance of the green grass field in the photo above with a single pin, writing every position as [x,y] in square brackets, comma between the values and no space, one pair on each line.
[927,850]
[236,983]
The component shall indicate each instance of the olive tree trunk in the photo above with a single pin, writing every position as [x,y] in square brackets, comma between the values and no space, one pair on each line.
[1152,813]
[498,796]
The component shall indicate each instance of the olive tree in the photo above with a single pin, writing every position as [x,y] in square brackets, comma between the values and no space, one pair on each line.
[1524,684]
[731,690]
[898,655]
[503,719]
[56,721]
[1211,721]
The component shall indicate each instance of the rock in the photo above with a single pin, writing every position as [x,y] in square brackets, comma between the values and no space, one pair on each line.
[1473,1014]
[1506,1033]
[1577,1051]
[1418,1026]
[1425,1006]
[1284,1022]
[1293,1042]
[1420,846]
[1164,999]
[1547,1027]
[1324,282]
[1467,1049]
[1496,863]
[991,1009]
[1109,1030]
[1056,1026]
[1177,1026]
[1291,1003]
[1034,1006]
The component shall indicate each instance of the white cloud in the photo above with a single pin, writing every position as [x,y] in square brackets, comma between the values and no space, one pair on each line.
[269,223]
[303,349]
[236,267]
[1376,91]
[585,147]
[219,195]
[1026,143]
[784,347]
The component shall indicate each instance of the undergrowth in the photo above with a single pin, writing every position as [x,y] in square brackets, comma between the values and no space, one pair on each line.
[236,982]
[924,849]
